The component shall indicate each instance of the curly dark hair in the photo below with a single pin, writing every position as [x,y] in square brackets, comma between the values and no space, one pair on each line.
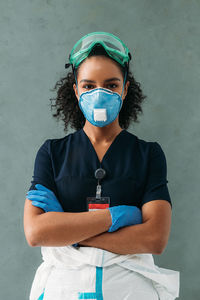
[68,110]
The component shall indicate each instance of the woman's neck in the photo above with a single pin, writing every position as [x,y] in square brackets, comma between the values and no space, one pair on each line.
[102,134]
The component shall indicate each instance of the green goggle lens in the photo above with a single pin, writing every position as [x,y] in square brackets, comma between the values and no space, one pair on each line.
[114,47]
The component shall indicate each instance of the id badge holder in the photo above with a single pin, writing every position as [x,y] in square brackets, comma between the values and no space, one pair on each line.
[98,202]
[94,203]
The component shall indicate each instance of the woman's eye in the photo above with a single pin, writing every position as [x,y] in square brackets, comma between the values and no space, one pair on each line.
[112,85]
[88,86]
[85,86]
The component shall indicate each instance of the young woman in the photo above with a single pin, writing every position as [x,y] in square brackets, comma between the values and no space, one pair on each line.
[99,204]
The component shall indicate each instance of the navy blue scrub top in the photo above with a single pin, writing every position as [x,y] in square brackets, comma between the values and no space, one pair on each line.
[136,170]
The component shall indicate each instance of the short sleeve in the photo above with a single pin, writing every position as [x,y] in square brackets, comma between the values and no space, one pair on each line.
[156,183]
[43,172]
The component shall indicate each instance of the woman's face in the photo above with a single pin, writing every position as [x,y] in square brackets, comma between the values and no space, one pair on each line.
[100,71]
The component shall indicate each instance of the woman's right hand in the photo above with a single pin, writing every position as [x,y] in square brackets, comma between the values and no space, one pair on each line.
[44,198]
[124,215]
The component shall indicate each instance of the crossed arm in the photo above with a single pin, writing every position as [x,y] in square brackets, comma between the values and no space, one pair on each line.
[60,229]
[149,237]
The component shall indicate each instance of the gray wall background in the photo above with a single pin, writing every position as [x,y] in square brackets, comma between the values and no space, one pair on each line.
[36,38]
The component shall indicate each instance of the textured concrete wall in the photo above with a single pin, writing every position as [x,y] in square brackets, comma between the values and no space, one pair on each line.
[36,38]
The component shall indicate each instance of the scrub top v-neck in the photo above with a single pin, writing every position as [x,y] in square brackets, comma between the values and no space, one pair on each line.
[136,170]
[90,147]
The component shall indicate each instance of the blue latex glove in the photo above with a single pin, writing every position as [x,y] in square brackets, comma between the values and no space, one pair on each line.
[45,199]
[124,215]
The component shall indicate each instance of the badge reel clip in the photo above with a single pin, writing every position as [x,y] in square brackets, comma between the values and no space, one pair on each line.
[98,202]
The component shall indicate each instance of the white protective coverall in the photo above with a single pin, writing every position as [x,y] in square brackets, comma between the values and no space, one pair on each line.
[69,273]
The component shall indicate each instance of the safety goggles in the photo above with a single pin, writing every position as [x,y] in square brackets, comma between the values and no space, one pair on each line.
[114,47]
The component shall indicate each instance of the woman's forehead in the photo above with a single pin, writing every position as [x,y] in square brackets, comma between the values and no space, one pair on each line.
[106,80]
[99,66]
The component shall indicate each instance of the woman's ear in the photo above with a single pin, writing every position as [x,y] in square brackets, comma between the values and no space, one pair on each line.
[126,89]
[75,91]
[127,85]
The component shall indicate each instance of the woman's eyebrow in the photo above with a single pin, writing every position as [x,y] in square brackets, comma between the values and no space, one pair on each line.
[107,80]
